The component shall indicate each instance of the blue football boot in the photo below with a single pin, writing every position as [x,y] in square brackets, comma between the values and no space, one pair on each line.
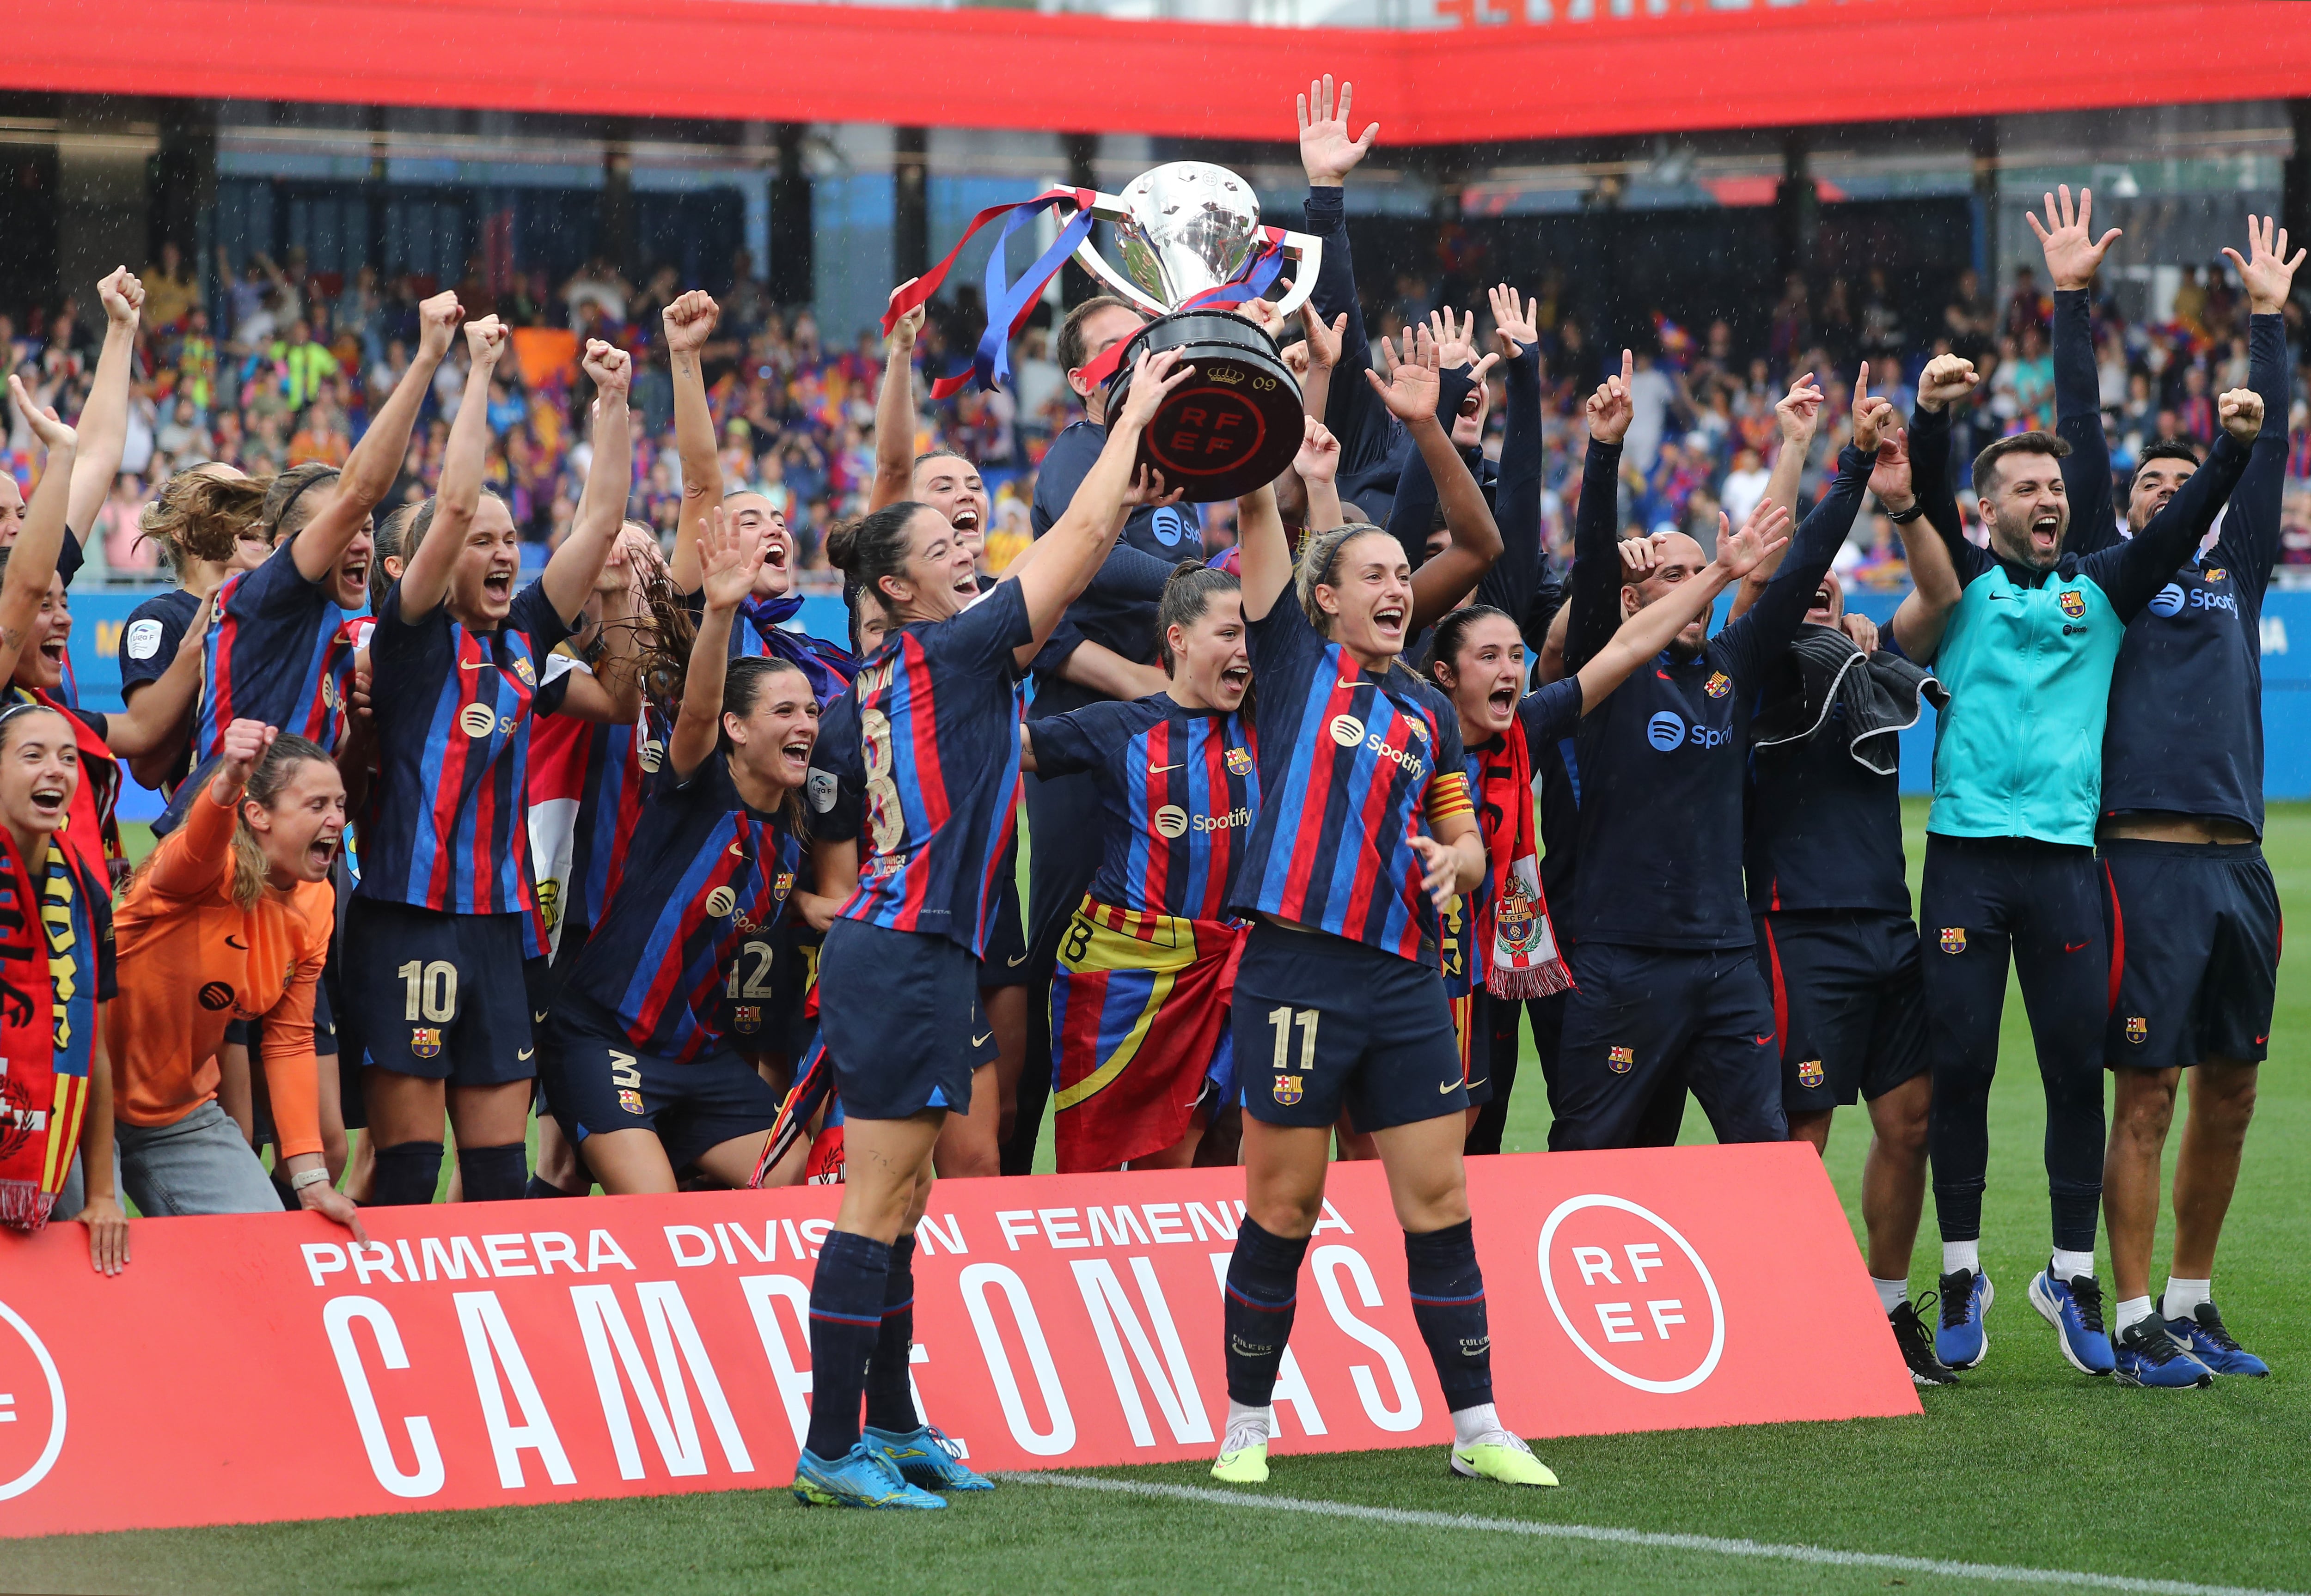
[2074,1308]
[2147,1355]
[860,1477]
[1960,1340]
[2203,1337]
[925,1457]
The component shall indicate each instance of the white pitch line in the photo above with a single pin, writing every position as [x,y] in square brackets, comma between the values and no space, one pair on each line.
[1827,1557]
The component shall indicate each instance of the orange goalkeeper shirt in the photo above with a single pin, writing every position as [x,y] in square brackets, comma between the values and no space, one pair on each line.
[192,960]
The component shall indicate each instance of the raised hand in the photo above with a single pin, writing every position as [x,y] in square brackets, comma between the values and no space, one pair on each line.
[1799,411]
[2268,274]
[2073,253]
[1513,328]
[1869,414]
[1946,379]
[52,433]
[123,294]
[902,337]
[1762,535]
[1328,154]
[731,556]
[1263,314]
[1147,490]
[1611,408]
[690,321]
[243,745]
[1410,391]
[1318,459]
[2241,411]
[437,324]
[485,341]
[612,369]
[1639,556]
[1323,341]
[1152,378]
[1455,347]
[1890,481]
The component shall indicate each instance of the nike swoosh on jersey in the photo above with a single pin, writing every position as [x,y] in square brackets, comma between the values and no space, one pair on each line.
[487,665]
[234,941]
[1016,960]
[1160,770]
[738,848]
[982,1041]
[1764,1041]
[537,1019]
[524,1053]
[2072,946]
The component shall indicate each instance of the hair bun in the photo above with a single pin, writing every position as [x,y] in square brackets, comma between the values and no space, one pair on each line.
[842,542]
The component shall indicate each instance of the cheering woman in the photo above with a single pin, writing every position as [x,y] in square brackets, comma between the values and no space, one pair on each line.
[1364,833]
[937,731]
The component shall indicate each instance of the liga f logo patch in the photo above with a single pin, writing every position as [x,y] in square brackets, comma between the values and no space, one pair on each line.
[1953,939]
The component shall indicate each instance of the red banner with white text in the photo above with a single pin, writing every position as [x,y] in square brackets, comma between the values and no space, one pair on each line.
[264,1367]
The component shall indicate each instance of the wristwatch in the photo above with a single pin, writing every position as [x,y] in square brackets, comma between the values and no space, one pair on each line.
[1903,517]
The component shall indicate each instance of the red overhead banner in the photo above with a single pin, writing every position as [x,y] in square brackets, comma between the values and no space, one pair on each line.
[251,1369]
[1692,68]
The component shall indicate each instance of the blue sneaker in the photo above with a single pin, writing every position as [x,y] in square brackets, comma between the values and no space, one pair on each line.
[860,1477]
[2147,1355]
[2202,1336]
[2074,1308]
[1960,1340]
[926,1457]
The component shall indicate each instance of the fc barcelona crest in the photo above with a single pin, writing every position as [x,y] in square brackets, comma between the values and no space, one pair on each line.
[748,1020]
[1809,1074]
[630,1099]
[1621,1061]
[1239,761]
[1718,685]
[2138,1029]
[2213,573]
[2073,603]
[425,1041]
[1288,1089]
[521,668]
[1953,939]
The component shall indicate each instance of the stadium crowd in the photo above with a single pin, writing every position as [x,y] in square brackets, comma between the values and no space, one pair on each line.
[1426,745]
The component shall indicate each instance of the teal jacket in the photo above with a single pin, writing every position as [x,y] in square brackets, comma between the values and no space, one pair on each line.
[2027,655]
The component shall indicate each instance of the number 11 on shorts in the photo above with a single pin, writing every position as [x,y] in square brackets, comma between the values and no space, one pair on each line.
[1283,1019]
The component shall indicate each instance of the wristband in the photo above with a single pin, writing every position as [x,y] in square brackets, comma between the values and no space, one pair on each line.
[308,1177]
[1903,517]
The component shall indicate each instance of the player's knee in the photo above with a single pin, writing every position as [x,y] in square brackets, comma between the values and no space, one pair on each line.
[2143,1105]
[2223,1092]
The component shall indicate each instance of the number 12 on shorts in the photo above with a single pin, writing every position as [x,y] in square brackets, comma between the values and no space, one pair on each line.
[1283,1019]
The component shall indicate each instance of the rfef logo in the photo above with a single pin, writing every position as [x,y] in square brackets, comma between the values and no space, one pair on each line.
[1666,730]
[32,1407]
[1631,1293]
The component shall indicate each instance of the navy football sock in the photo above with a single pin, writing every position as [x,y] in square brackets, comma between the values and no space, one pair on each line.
[890,1398]
[407,1174]
[493,1174]
[539,1186]
[846,1317]
[1263,1278]
[1448,1305]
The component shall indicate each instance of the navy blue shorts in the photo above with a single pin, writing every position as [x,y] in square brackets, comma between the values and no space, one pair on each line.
[597,1082]
[438,995]
[2194,935]
[1320,1023]
[1647,1023]
[1849,1004]
[899,1012]
[1005,962]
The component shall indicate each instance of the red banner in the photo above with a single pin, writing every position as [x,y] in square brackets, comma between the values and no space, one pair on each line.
[1688,68]
[262,1368]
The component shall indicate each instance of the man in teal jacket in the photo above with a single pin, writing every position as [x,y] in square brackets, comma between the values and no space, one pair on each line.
[2029,635]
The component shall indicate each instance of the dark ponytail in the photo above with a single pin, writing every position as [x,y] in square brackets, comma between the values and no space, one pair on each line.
[1187,594]
[1444,641]
[872,547]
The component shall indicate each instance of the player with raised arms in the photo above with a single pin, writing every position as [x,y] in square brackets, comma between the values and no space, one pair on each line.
[936,726]
[1364,833]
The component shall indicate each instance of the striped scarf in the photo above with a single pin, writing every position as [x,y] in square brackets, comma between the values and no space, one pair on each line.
[1520,955]
[47,1031]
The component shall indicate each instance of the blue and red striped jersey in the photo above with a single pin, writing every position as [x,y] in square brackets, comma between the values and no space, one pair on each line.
[444,829]
[706,879]
[1352,767]
[928,734]
[585,783]
[1178,789]
[274,653]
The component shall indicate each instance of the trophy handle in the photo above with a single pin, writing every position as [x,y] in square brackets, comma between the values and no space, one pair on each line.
[1306,253]
[1108,207]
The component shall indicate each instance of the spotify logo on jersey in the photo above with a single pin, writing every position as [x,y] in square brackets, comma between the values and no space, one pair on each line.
[720,902]
[1172,820]
[1347,731]
[2167,600]
[1666,730]
[477,720]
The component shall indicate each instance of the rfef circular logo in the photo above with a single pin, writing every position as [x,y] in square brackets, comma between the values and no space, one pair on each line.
[1631,1293]
[1666,730]
[32,1407]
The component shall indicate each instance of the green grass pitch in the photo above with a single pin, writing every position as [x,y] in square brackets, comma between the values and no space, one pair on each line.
[2025,1464]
